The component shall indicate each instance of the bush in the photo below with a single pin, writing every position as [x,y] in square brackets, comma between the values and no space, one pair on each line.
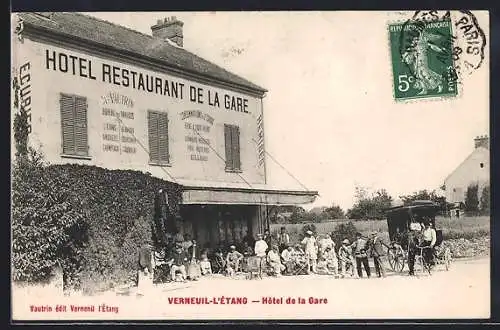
[88,219]
[484,203]
[472,200]
[343,231]
[45,218]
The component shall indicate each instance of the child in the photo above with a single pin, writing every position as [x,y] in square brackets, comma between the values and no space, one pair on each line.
[206,267]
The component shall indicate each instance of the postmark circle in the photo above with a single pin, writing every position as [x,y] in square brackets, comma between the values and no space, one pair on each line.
[464,42]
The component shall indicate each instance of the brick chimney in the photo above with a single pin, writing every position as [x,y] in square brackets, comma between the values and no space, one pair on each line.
[482,141]
[169,28]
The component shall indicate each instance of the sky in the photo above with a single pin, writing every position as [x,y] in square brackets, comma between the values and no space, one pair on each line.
[330,115]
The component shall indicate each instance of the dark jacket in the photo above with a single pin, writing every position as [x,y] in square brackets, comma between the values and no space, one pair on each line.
[145,259]
[377,247]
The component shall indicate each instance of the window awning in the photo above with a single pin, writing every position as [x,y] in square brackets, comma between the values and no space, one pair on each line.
[237,194]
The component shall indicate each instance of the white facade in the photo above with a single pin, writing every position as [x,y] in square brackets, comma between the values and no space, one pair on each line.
[117,125]
[475,169]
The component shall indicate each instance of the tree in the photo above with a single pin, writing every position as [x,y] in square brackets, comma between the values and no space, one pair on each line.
[333,212]
[426,195]
[485,201]
[472,200]
[370,206]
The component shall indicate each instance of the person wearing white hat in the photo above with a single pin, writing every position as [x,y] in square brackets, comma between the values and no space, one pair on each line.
[311,250]
[346,259]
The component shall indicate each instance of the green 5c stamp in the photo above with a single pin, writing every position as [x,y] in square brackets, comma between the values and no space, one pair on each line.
[422,60]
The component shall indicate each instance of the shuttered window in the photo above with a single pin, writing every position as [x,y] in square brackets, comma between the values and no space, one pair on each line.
[158,137]
[74,125]
[232,143]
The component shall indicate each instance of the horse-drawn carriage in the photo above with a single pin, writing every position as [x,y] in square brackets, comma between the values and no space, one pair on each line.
[405,221]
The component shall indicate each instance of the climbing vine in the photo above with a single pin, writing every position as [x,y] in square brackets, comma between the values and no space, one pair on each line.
[21,128]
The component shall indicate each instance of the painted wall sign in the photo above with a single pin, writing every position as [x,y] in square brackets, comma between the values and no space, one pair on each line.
[25,90]
[197,144]
[118,124]
[121,76]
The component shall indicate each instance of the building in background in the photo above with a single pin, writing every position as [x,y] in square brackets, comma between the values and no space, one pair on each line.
[101,94]
[475,169]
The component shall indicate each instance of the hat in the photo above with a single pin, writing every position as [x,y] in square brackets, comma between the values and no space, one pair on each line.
[309,232]
[374,233]
[346,241]
[232,247]
[259,235]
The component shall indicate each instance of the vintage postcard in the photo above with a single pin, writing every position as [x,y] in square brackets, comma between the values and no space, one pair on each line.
[250,165]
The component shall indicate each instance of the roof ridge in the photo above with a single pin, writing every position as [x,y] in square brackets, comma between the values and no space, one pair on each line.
[164,41]
[110,23]
[155,48]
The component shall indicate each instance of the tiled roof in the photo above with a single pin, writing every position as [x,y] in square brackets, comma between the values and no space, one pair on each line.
[122,38]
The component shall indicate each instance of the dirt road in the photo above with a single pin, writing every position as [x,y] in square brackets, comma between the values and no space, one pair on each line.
[461,292]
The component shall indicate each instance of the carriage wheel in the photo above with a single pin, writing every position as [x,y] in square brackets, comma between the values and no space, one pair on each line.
[447,259]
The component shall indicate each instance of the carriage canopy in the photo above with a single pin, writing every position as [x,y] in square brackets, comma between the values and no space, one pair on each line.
[399,218]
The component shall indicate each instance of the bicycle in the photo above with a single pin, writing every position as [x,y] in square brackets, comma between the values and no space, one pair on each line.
[420,260]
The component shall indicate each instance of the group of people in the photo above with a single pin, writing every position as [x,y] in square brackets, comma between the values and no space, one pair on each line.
[322,255]
[277,256]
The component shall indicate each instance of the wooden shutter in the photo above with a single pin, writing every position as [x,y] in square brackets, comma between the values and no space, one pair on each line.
[228,145]
[67,124]
[81,133]
[153,136]
[163,138]
[235,139]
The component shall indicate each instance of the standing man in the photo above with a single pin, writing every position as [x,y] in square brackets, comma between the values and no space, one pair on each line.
[248,239]
[360,253]
[311,251]
[145,274]
[283,239]
[260,251]
[268,238]
[429,239]
[413,243]
[377,251]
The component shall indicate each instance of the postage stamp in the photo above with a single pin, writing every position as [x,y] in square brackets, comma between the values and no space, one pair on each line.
[432,51]
[422,61]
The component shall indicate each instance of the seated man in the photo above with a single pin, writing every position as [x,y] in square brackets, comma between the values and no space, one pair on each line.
[274,260]
[346,258]
[321,268]
[288,259]
[332,263]
[179,258]
[233,260]
[325,243]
